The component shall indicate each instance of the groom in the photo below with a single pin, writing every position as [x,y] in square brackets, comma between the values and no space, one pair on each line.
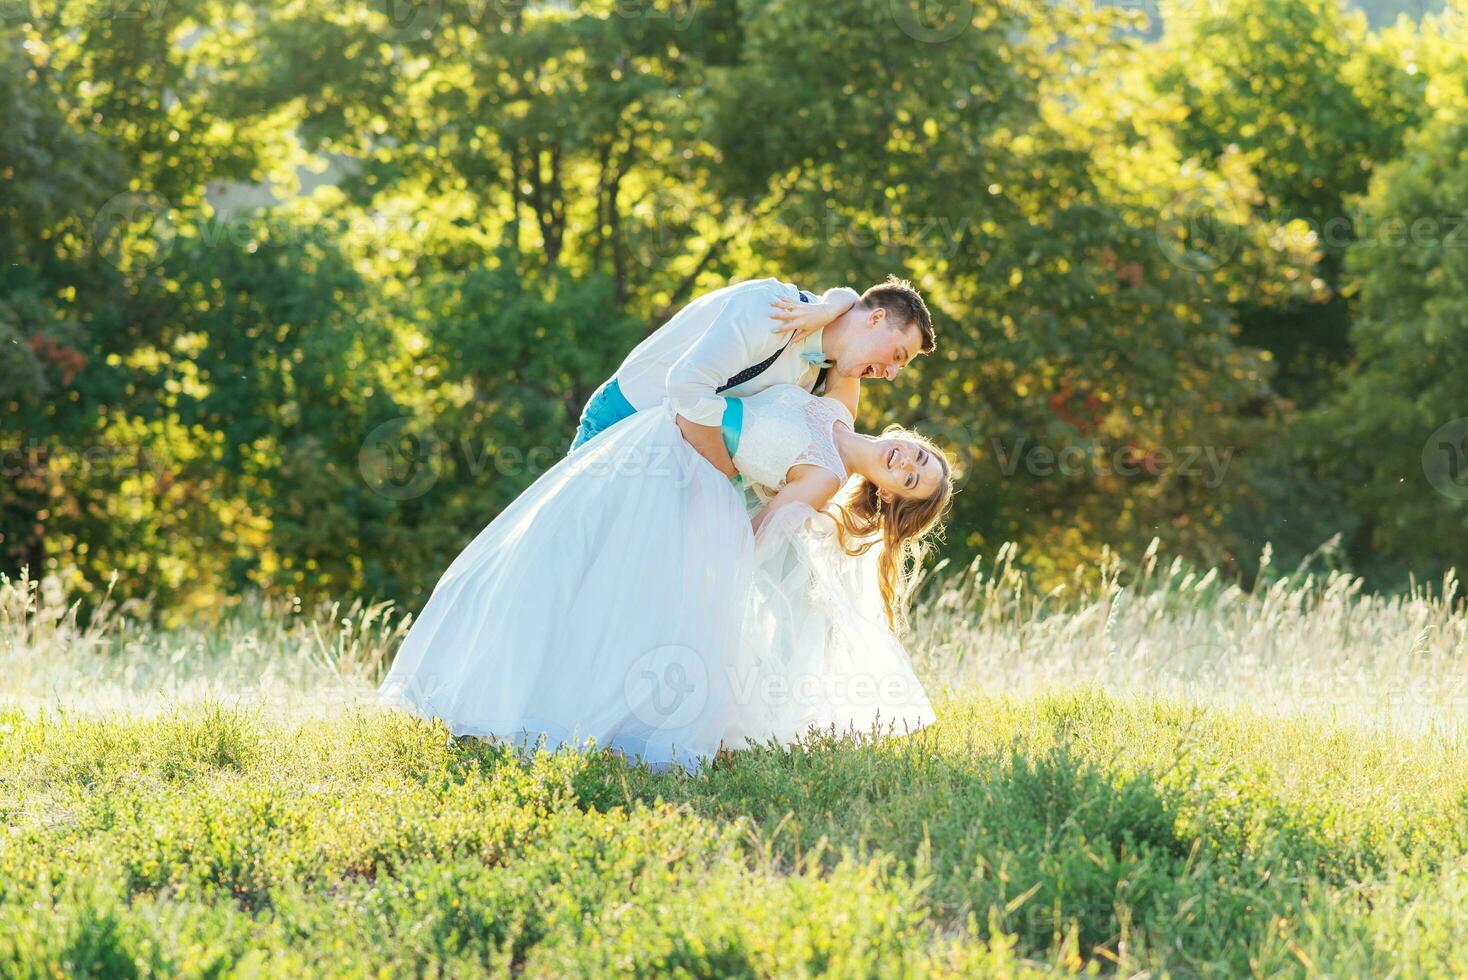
[729,343]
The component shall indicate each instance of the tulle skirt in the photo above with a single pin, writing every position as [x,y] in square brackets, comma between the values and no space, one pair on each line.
[815,648]
[623,599]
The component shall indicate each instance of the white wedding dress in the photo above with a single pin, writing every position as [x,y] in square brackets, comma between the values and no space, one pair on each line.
[624,598]
[815,648]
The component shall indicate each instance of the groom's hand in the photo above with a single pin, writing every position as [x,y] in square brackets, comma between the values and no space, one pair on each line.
[709,441]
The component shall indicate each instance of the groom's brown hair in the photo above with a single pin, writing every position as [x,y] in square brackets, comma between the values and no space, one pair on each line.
[904,306]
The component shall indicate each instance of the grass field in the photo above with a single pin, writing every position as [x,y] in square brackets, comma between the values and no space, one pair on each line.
[1150,773]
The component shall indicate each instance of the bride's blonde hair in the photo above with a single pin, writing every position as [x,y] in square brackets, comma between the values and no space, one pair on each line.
[863,520]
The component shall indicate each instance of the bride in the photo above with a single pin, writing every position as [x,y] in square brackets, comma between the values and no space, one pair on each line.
[627,597]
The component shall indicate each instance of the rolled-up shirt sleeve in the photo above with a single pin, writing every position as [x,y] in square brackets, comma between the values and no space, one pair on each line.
[739,336]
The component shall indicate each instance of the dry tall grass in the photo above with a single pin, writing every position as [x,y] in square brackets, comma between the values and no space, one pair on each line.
[1304,642]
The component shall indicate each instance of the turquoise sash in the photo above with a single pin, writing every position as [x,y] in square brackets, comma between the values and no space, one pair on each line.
[607,406]
[733,424]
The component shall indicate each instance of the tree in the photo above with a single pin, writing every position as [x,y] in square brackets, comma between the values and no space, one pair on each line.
[1395,439]
[1314,103]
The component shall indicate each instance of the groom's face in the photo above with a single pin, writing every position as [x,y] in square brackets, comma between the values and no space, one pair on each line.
[881,349]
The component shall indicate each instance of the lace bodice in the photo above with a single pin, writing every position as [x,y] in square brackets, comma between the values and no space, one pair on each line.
[785,426]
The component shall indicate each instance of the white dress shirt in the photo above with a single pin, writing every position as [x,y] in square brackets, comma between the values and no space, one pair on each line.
[709,341]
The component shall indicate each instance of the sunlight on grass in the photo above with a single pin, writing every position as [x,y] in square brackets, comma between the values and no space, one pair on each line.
[1153,772]
[1302,643]
[1305,642]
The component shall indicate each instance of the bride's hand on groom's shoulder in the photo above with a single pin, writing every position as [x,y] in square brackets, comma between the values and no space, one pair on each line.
[803,319]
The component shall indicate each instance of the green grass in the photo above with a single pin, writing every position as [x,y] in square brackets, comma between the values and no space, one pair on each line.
[1018,835]
[1149,773]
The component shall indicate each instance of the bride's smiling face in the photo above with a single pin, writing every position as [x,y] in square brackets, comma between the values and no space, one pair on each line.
[904,468]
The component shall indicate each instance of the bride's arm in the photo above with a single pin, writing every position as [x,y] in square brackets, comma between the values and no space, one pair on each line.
[800,320]
[811,485]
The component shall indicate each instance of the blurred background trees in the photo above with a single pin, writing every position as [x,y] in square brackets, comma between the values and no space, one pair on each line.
[299,296]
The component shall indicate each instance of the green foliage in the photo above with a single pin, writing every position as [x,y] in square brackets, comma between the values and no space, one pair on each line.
[194,357]
[1320,108]
[1401,412]
[1313,103]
